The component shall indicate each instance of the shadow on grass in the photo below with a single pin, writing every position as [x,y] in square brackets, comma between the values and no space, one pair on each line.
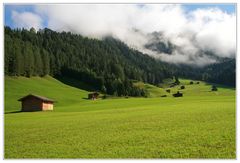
[74,83]
[15,112]
[12,112]
[221,86]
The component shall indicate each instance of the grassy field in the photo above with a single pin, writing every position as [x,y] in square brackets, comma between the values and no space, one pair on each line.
[201,124]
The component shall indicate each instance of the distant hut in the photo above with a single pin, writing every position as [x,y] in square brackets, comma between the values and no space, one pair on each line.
[178,94]
[36,103]
[93,96]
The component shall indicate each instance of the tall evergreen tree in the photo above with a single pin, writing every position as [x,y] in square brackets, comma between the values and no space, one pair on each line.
[46,62]
[38,64]
[28,59]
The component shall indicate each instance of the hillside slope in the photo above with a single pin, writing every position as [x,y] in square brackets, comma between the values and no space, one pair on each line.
[201,89]
[74,99]
[17,87]
[108,65]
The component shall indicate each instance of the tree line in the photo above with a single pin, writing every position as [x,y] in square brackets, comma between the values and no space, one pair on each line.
[108,65]
[222,72]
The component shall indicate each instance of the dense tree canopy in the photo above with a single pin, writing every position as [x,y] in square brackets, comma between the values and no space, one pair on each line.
[223,72]
[108,65]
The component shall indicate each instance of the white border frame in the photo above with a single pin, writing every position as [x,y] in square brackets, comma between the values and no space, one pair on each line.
[117,2]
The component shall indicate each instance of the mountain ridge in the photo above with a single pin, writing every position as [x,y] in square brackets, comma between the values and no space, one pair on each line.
[109,65]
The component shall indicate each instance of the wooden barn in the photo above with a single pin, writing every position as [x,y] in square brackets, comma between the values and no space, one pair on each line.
[178,94]
[36,103]
[93,96]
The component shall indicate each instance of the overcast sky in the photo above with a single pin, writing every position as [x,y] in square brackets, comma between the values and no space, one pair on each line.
[195,30]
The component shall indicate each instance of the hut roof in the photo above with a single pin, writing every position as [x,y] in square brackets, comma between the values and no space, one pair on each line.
[36,96]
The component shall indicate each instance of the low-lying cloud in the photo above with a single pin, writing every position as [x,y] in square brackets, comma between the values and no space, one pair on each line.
[26,20]
[199,37]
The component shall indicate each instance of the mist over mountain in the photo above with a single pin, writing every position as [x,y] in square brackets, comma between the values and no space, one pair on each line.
[167,32]
[109,65]
[163,49]
[157,44]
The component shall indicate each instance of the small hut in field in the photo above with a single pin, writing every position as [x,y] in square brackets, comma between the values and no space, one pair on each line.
[36,103]
[178,94]
[93,96]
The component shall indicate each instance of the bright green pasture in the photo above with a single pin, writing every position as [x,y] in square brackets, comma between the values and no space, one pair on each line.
[201,89]
[17,87]
[199,125]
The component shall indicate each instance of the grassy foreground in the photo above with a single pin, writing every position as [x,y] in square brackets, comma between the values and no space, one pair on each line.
[199,125]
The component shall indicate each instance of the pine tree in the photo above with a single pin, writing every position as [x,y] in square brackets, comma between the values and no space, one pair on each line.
[38,66]
[46,62]
[28,59]
[17,59]
[8,52]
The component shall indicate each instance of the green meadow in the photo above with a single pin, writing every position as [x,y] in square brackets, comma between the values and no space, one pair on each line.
[201,124]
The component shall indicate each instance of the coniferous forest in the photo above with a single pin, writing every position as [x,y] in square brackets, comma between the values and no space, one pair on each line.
[108,65]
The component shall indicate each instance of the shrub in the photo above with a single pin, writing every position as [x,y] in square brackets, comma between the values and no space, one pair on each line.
[104,97]
[214,88]
[176,80]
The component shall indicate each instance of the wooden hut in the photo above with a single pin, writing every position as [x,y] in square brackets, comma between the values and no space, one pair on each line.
[93,96]
[36,103]
[178,94]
